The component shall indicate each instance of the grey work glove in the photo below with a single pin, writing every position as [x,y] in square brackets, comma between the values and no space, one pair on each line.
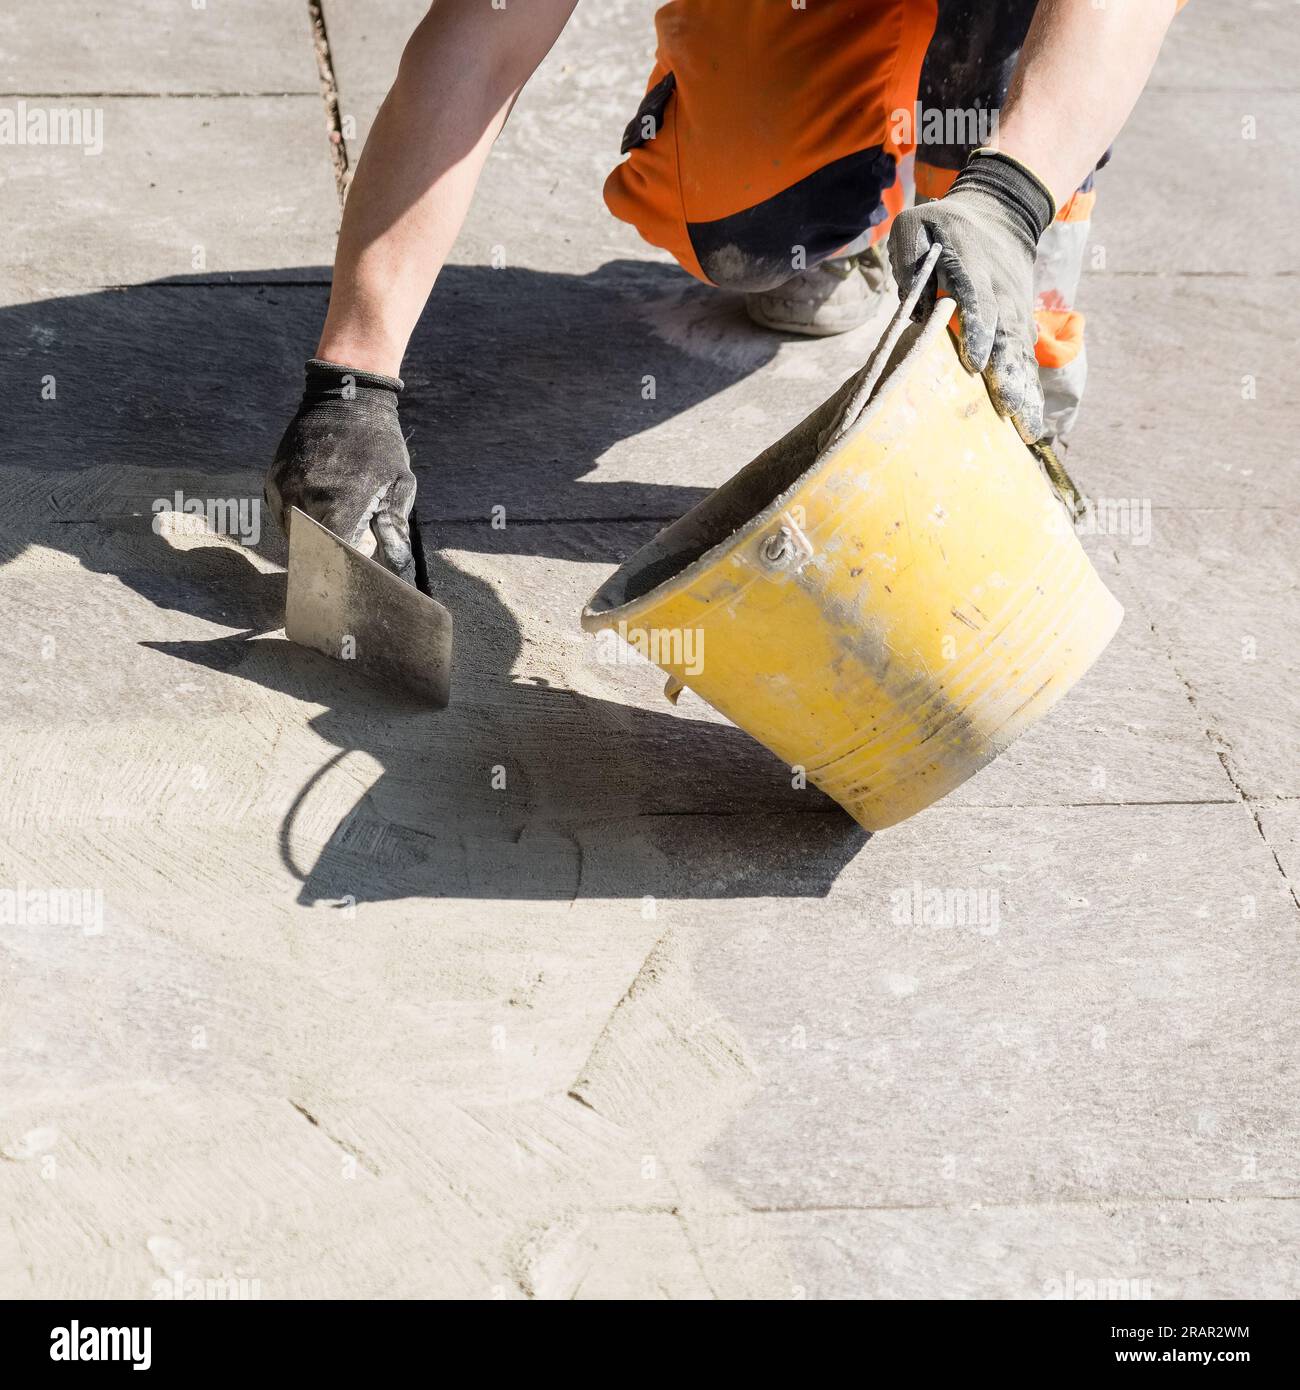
[343,461]
[988,224]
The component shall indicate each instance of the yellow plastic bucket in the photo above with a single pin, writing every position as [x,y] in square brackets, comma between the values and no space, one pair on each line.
[886,597]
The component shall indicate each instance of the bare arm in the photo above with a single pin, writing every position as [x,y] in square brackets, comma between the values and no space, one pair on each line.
[462,69]
[1082,68]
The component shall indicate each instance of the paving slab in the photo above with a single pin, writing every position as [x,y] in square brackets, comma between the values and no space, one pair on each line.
[253,1197]
[174,1015]
[155,47]
[1250,144]
[480,1010]
[1218,590]
[1113,1021]
[1241,1249]
[1187,396]
[262,1198]
[155,388]
[198,188]
[1247,47]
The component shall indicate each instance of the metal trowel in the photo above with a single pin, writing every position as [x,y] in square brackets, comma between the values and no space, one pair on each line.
[350,607]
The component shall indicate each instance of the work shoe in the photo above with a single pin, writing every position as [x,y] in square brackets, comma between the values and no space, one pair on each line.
[830,298]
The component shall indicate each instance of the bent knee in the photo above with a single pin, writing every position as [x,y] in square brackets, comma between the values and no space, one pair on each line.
[731,268]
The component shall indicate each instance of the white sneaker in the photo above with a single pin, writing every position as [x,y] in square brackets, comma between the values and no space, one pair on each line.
[833,297]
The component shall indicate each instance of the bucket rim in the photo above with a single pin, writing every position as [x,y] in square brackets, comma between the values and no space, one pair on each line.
[597,615]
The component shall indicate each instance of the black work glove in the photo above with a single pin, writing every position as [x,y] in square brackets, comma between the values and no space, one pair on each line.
[343,461]
[988,224]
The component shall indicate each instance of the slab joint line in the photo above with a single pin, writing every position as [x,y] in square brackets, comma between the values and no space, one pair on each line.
[329,92]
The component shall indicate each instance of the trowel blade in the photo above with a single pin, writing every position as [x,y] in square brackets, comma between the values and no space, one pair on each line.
[350,607]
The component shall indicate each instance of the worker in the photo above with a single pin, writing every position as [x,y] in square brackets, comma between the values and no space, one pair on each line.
[765,157]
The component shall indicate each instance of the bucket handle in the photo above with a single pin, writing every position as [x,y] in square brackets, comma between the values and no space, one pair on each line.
[857,402]
[1066,490]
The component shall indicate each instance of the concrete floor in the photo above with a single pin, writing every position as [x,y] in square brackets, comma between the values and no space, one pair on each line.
[346,1019]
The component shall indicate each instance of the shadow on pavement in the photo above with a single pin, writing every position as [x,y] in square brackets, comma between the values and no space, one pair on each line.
[518,383]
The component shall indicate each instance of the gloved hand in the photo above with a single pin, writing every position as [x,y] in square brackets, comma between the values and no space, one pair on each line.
[988,224]
[343,461]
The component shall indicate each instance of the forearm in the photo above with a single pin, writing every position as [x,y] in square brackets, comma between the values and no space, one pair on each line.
[461,71]
[1081,71]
